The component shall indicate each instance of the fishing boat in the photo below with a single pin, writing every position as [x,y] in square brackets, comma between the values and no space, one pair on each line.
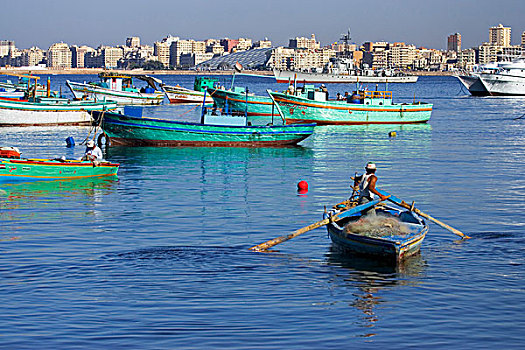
[13,168]
[178,94]
[259,109]
[214,130]
[362,107]
[120,88]
[392,235]
[26,85]
[49,111]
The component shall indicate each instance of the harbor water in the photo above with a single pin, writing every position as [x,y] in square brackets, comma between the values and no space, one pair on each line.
[158,258]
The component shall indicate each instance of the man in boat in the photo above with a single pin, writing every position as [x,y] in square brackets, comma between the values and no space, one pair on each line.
[93,152]
[367,187]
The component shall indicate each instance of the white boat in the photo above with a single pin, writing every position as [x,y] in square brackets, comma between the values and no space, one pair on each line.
[178,94]
[496,79]
[49,111]
[342,70]
[508,80]
[119,88]
[472,82]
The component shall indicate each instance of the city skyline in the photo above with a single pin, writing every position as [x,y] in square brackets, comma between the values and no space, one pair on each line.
[34,23]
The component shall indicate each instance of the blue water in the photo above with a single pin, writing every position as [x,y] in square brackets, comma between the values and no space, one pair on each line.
[158,258]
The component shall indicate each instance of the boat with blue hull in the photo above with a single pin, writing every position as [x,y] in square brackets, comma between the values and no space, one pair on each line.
[391,236]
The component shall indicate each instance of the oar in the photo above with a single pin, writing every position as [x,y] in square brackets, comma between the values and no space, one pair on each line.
[404,204]
[275,241]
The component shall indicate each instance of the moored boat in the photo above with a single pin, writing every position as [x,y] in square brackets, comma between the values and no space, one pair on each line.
[285,76]
[362,107]
[14,169]
[119,88]
[49,111]
[392,235]
[178,94]
[214,130]
[259,109]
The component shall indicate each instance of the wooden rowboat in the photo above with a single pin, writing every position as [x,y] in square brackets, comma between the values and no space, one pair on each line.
[390,245]
[21,169]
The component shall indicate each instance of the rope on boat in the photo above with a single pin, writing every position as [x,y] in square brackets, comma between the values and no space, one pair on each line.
[520,117]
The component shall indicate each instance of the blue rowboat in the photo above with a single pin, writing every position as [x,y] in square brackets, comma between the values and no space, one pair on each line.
[390,245]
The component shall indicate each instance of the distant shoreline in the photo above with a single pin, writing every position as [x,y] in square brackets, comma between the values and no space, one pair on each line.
[94,71]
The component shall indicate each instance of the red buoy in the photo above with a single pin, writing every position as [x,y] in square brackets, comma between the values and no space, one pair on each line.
[302,186]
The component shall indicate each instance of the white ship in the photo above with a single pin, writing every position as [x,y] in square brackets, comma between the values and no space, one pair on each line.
[497,79]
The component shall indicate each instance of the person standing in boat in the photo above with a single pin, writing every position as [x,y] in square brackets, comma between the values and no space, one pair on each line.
[93,152]
[367,187]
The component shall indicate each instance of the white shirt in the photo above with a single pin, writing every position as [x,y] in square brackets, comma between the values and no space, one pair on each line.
[96,152]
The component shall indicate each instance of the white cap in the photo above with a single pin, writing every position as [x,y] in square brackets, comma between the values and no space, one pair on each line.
[370,166]
[90,143]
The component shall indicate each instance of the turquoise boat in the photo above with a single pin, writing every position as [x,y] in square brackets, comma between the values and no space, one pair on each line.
[362,107]
[259,109]
[213,131]
[15,169]
[178,94]
[391,236]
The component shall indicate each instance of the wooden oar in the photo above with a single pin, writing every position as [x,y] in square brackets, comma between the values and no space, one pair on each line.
[404,204]
[263,246]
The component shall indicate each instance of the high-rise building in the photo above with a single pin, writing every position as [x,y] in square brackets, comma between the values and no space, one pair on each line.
[111,56]
[499,36]
[6,46]
[59,56]
[78,54]
[133,41]
[523,40]
[454,42]
[162,51]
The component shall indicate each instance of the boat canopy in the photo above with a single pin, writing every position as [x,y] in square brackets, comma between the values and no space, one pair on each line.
[148,79]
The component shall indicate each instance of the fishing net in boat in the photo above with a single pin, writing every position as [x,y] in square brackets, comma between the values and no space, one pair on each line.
[377,226]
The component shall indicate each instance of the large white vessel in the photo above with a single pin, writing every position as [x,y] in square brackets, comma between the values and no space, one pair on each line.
[343,70]
[497,79]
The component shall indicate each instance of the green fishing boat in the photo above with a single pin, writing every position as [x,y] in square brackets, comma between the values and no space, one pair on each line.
[213,130]
[13,168]
[362,107]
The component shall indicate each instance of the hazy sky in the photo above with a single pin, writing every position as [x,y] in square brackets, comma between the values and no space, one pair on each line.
[94,22]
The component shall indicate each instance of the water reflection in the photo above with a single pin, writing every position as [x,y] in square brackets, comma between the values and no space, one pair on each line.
[370,279]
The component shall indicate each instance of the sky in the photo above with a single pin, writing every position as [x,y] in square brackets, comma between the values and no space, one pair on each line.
[109,22]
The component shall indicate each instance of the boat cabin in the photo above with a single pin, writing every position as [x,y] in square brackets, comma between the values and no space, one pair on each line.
[374,98]
[123,82]
[202,83]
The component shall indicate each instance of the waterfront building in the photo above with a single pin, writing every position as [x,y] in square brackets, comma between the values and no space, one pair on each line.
[133,42]
[401,55]
[523,40]
[162,51]
[249,59]
[282,58]
[454,42]
[488,52]
[499,36]
[6,47]
[59,56]
[177,48]
[466,59]
[216,48]
[304,43]
[111,56]
[31,57]
[78,54]
[190,60]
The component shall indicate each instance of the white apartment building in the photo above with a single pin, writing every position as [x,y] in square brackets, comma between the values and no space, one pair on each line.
[162,51]
[78,54]
[304,43]
[59,56]
[499,36]
[111,56]
[32,57]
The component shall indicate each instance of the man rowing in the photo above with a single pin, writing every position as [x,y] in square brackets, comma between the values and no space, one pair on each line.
[367,187]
